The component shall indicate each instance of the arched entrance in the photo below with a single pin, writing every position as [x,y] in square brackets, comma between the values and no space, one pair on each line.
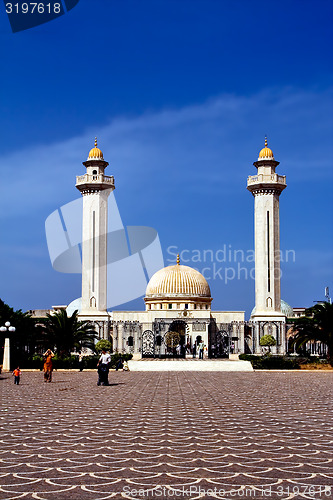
[175,339]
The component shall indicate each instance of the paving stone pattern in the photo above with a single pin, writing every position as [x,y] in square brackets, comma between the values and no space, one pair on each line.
[168,434]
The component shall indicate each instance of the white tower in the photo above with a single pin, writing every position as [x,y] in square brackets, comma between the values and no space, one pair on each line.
[266,188]
[95,188]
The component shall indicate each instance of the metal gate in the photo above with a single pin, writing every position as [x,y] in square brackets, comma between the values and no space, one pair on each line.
[155,345]
[148,344]
[220,348]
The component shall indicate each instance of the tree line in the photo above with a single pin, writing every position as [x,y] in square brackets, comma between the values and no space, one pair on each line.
[58,331]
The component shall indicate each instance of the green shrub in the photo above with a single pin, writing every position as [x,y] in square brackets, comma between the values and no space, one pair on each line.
[115,357]
[103,345]
[36,361]
[269,362]
[311,359]
[267,340]
[90,362]
[279,363]
[254,360]
[248,357]
[64,362]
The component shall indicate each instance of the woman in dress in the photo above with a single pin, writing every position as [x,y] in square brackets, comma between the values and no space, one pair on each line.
[48,365]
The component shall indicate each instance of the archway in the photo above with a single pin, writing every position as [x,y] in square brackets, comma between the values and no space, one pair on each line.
[176,338]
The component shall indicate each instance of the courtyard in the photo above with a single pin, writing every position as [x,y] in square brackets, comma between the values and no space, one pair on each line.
[167,435]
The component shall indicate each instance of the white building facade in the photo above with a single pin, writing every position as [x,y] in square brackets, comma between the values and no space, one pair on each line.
[178,312]
[178,316]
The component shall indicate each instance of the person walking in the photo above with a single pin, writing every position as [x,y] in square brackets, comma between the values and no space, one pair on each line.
[201,350]
[103,368]
[120,364]
[17,375]
[80,361]
[194,350]
[48,365]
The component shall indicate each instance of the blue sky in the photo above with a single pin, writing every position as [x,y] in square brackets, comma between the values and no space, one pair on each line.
[180,94]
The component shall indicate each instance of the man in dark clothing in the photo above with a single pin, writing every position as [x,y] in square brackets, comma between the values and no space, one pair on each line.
[103,368]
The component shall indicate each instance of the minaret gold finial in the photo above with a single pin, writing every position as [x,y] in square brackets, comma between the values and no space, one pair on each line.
[178,259]
[266,152]
[95,153]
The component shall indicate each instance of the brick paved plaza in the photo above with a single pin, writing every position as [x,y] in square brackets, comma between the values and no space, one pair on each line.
[238,435]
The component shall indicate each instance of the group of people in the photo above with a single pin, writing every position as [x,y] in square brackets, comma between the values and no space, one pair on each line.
[197,347]
[47,368]
[103,367]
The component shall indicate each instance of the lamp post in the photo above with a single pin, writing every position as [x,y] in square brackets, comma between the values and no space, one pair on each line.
[6,351]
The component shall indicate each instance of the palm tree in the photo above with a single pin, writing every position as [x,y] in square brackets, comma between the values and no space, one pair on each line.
[316,325]
[66,332]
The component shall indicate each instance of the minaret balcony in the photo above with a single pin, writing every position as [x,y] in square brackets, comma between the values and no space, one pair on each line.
[267,179]
[97,181]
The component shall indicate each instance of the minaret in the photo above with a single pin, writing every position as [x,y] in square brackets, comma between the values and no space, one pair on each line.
[95,188]
[266,188]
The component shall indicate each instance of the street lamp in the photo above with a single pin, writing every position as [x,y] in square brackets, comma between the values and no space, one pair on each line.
[6,351]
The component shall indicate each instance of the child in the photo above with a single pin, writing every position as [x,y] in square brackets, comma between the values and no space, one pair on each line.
[17,374]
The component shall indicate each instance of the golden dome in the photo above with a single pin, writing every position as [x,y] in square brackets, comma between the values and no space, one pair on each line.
[95,153]
[178,281]
[266,153]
